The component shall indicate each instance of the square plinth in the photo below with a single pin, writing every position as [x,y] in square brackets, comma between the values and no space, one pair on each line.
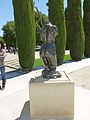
[51,99]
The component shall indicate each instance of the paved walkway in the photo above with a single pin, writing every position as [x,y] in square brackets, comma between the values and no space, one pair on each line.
[14,100]
[82,77]
[12,61]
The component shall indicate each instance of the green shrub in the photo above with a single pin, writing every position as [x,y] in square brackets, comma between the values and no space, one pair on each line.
[25,32]
[75,33]
[57,17]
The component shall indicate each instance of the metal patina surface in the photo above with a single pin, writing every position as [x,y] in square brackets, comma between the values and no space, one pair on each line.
[48,34]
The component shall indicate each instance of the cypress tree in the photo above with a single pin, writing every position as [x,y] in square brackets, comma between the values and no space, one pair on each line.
[75,33]
[25,32]
[86,21]
[57,17]
[66,14]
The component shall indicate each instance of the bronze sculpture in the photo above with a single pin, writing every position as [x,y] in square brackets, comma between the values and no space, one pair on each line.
[48,34]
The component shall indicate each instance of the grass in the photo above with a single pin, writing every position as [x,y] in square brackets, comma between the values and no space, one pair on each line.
[67,57]
[38,62]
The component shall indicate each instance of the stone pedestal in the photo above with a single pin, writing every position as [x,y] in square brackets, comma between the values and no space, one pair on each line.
[52,99]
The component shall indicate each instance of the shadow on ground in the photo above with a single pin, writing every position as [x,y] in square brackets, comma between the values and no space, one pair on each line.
[25,114]
[13,74]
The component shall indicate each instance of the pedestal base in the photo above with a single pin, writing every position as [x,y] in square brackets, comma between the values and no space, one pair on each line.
[52,99]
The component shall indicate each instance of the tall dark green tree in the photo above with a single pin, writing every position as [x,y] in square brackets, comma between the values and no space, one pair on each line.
[25,32]
[57,17]
[86,21]
[75,33]
[67,43]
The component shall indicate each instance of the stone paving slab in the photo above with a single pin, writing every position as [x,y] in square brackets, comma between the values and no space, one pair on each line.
[82,77]
[12,64]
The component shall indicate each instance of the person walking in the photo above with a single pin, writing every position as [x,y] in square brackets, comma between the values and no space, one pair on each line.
[2,66]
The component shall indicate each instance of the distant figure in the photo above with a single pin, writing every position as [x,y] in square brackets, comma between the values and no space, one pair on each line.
[2,66]
[48,34]
[11,50]
[14,50]
[5,46]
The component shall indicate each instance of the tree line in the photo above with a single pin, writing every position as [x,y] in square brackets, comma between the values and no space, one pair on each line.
[75,34]
[78,31]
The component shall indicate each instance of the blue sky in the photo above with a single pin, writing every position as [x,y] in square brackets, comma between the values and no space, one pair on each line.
[6,10]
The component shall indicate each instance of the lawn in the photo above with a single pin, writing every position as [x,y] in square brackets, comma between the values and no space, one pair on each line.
[38,62]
